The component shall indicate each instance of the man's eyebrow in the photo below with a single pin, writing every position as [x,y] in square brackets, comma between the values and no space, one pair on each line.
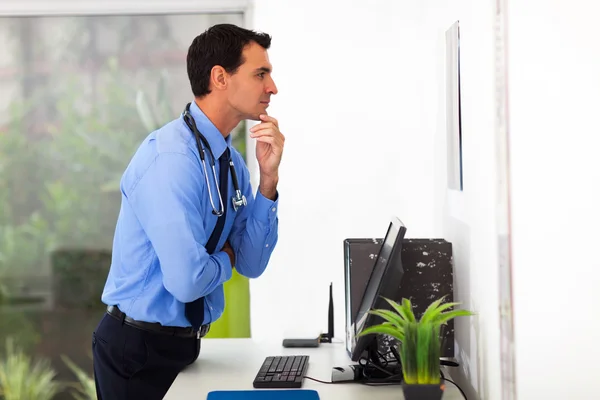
[263,69]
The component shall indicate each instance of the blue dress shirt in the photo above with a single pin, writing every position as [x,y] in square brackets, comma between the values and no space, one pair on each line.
[159,261]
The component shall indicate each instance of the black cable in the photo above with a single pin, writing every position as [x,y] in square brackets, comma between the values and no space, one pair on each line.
[394,379]
[368,363]
[394,351]
[369,380]
[458,387]
[382,357]
[316,380]
[381,383]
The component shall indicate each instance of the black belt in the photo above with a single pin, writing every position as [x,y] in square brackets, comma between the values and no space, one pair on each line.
[157,327]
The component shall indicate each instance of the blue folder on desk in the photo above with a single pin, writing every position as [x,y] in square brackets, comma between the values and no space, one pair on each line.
[271,394]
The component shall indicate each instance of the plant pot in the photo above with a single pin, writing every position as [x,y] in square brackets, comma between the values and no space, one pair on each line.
[422,392]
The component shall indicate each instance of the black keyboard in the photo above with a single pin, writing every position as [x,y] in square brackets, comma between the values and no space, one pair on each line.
[281,372]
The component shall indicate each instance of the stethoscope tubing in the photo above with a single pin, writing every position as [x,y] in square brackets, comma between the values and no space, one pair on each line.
[239,199]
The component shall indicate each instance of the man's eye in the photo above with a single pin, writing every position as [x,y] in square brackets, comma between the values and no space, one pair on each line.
[261,75]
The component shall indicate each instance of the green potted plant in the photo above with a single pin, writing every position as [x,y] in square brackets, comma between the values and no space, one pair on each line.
[419,342]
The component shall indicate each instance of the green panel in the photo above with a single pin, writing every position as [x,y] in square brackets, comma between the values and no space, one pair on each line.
[235,321]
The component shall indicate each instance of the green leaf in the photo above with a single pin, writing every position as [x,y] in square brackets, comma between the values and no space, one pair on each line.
[23,379]
[85,389]
[447,316]
[433,307]
[407,307]
[394,305]
[383,329]
[407,315]
[432,313]
[390,316]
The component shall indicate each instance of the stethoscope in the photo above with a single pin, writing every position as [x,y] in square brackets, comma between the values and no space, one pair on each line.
[238,199]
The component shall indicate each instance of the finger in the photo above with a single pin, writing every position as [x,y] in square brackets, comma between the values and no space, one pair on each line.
[266,118]
[276,141]
[263,125]
[266,139]
[266,132]
[262,132]
[275,144]
[273,141]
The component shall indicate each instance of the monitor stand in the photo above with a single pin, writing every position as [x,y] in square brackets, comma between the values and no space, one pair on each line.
[370,369]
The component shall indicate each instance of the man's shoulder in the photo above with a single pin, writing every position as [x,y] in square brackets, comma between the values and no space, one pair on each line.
[170,139]
[173,137]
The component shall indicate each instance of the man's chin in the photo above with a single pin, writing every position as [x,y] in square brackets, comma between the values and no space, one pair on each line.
[255,117]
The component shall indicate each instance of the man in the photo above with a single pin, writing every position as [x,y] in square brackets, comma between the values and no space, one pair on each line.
[178,234]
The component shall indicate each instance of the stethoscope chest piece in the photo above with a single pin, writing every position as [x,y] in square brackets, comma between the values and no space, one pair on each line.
[238,200]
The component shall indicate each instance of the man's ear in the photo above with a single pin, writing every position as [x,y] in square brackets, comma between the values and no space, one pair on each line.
[218,77]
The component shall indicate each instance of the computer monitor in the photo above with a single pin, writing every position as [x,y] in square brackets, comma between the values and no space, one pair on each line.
[384,282]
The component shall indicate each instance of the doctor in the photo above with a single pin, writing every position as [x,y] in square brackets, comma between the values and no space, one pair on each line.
[187,219]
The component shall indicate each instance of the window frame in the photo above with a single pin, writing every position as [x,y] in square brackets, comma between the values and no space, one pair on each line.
[22,8]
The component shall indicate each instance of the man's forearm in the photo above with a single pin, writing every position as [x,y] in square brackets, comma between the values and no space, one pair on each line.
[256,245]
[205,274]
[254,232]
[268,186]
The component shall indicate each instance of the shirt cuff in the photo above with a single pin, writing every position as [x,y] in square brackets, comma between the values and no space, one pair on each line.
[225,263]
[265,210]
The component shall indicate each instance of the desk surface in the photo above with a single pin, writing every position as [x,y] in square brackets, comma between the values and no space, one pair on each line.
[232,364]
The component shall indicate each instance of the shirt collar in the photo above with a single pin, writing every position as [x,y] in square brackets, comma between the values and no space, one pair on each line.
[216,140]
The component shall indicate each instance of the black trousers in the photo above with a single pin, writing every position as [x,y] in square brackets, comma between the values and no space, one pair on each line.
[130,363]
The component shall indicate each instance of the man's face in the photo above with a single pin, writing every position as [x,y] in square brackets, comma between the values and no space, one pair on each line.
[251,87]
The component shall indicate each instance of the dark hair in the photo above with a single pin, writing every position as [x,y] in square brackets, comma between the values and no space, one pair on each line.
[219,45]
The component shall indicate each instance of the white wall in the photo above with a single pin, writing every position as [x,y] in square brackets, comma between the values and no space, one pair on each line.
[554,72]
[467,218]
[350,105]
[365,81]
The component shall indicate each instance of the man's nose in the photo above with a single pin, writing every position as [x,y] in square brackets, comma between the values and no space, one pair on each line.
[272,88]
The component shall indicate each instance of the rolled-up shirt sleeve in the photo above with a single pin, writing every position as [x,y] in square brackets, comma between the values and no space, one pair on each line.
[255,232]
[166,202]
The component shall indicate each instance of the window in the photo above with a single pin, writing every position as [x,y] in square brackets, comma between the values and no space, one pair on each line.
[78,94]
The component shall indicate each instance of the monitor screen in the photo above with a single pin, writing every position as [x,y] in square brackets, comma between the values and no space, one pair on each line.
[384,281]
[359,259]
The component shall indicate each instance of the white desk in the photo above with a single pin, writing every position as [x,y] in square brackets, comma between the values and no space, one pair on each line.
[232,364]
